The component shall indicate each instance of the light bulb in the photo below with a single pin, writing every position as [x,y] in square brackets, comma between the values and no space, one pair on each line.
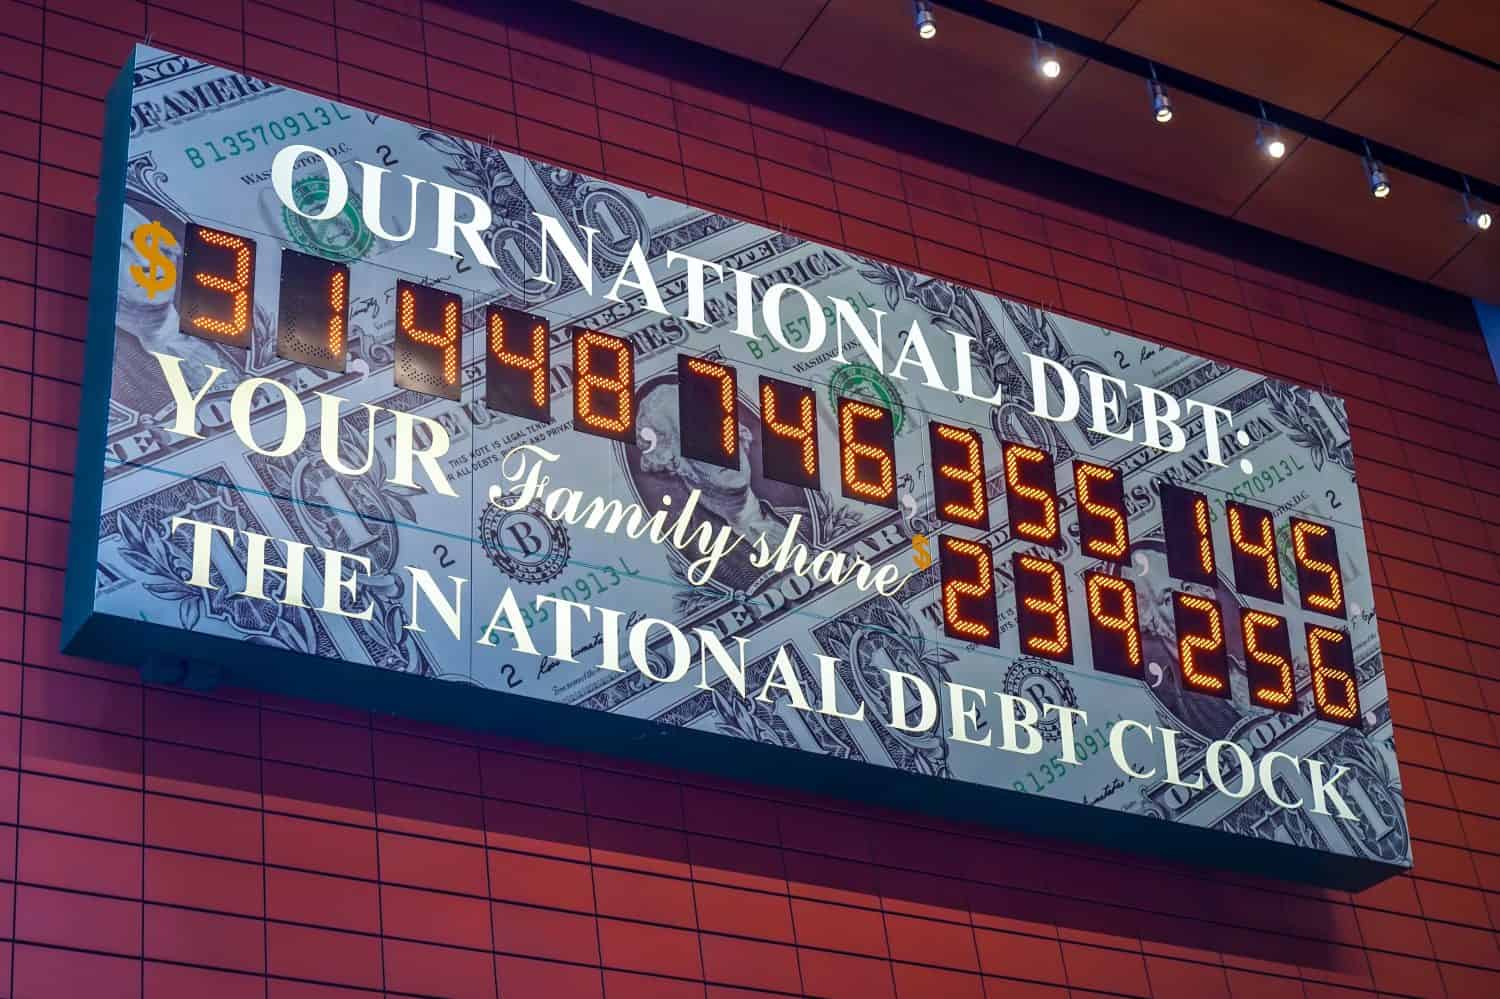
[926,22]
[1476,214]
[1161,104]
[1047,62]
[1380,184]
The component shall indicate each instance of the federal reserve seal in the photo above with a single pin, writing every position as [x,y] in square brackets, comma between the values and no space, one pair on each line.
[860,381]
[1043,683]
[524,544]
[344,237]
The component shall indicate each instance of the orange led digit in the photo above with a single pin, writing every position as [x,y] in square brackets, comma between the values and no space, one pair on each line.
[312,313]
[1042,608]
[789,433]
[1335,693]
[517,363]
[1315,553]
[1252,545]
[1100,492]
[1268,660]
[867,449]
[958,480]
[603,386]
[1031,494]
[1186,523]
[218,297]
[429,336]
[969,610]
[1114,624]
[708,422]
[1200,644]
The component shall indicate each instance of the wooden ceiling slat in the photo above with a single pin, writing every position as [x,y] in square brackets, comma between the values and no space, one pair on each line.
[1305,55]
[1298,54]
[1422,98]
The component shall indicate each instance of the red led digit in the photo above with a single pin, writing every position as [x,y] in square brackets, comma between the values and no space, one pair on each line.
[429,336]
[958,480]
[218,296]
[518,363]
[1315,553]
[1335,693]
[707,414]
[1031,494]
[1186,523]
[789,433]
[1114,624]
[1042,608]
[1200,644]
[1268,660]
[1252,544]
[867,452]
[312,314]
[603,385]
[968,574]
[1100,492]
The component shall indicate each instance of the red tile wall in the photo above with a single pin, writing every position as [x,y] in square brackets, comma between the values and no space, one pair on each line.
[161,843]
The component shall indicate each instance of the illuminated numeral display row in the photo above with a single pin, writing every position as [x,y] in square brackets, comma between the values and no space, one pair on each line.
[970,613]
[312,328]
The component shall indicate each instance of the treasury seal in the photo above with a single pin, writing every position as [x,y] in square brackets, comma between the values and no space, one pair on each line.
[861,381]
[1043,683]
[524,544]
[344,237]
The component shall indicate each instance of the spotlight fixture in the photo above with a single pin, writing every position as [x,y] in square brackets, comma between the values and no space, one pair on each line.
[926,22]
[1380,184]
[1161,104]
[1476,213]
[1045,55]
[1268,136]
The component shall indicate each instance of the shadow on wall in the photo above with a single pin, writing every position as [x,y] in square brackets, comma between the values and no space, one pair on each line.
[556,829]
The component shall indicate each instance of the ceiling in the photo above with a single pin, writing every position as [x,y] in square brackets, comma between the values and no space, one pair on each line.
[1309,56]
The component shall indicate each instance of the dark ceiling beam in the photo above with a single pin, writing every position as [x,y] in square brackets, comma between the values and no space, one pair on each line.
[1400,29]
[1216,93]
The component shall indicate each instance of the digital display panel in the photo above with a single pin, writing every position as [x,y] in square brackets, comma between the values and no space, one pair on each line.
[1187,522]
[789,433]
[1268,660]
[1335,692]
[468,559]
[1315,552]
[604,393]
[1042,608]
[312,317]
[1201,653]
[958,475]
[969,609]
[867,452]
[429,343]
[1114,624]
[709,411]
[1031,495]
[218,286]
[1103,522]
[518,363]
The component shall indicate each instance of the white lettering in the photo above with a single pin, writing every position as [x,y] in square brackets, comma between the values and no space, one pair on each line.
[1117,747]
[281,181]
[451,611]
[186,402]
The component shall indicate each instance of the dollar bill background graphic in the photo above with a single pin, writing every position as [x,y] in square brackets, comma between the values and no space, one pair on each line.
[190,162]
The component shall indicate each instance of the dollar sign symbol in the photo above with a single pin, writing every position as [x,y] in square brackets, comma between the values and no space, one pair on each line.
[920,553]
[150,240]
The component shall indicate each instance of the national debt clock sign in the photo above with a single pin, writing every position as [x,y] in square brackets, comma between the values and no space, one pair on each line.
[390,418]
